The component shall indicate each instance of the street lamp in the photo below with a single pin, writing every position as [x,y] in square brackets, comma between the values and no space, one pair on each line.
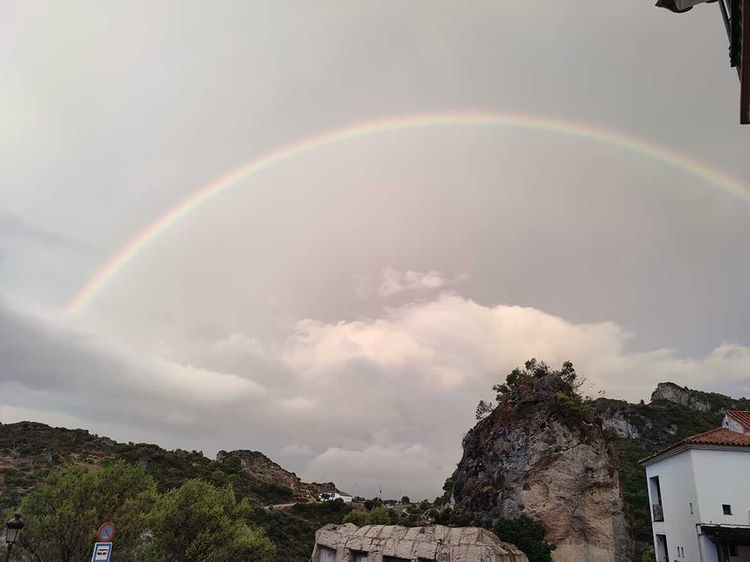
[12,530]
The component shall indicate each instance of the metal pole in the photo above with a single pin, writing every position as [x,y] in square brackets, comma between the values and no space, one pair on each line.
[7,554]
[725,17]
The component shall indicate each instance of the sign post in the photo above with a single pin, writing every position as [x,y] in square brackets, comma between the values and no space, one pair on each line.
[103,546]
[102,552]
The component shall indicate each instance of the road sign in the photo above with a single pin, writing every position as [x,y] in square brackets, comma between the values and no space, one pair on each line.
[102,552]
[106,532]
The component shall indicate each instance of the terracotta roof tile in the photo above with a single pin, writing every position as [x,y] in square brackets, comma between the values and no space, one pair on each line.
[719,436]
[740,416]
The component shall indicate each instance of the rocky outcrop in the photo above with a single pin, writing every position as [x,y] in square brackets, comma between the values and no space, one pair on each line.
[435,542]
[536,454]
[684,396]
[259,468]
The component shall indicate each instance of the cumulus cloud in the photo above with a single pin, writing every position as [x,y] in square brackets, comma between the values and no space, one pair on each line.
[371,403]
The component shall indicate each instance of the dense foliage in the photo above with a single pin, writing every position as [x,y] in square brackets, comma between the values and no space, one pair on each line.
[64,512]
[196,522]
[292,530]
[519,379]
[526,534]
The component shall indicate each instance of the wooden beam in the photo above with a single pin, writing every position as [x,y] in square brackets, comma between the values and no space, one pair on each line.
[745,68]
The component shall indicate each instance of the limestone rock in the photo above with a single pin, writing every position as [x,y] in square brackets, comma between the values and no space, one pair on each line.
[525,458]
[435,542]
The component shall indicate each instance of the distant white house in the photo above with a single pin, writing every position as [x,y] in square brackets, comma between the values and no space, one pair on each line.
[699,491]
[331,496]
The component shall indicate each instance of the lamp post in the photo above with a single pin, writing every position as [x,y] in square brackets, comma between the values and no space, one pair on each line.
[12,530]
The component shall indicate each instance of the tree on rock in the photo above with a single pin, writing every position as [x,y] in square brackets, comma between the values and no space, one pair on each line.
[198,522]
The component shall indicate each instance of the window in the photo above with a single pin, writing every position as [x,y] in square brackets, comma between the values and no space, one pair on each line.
[726,508]
[691,508]
[327,554]
[394,559]
[360,557]
[662,551]
[657,512]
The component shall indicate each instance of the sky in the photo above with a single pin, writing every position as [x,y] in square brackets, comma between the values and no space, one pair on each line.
[344,308]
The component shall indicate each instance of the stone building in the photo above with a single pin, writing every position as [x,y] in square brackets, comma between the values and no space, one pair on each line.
[391,543]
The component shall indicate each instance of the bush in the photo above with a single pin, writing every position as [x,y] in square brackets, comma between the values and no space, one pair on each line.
[526,534]
[198,522]
[573,408]
[379,516]
[359,518]
[64,512]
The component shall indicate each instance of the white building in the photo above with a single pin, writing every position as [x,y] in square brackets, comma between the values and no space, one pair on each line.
[699,491]
[331,496]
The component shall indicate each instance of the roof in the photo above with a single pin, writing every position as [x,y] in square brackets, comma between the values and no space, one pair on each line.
[720,437]
[740,416]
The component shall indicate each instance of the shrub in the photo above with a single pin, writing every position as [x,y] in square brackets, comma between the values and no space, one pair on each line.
[526,534]
[359,518]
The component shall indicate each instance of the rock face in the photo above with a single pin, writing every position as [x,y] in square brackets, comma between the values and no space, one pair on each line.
[681,395]
[529,457]
[436,542]
[258,467]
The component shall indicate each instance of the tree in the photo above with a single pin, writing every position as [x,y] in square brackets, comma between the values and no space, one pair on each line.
[198,522]
[357,517]
[63,513]
[405,500]
[484,409]
[379,516]
[523,378]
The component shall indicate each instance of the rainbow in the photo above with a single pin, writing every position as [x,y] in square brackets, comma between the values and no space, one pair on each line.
[233,178]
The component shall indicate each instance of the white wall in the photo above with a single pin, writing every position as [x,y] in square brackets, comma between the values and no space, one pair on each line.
[722,477]
[733,425]
[677,492]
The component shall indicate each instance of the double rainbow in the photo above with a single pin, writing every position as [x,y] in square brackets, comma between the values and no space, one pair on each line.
[234,177]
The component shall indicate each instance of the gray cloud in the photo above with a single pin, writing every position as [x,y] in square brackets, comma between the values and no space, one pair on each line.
[14,227]
[374,403]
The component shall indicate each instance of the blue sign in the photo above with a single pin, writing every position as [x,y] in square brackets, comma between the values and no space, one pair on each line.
[102,552]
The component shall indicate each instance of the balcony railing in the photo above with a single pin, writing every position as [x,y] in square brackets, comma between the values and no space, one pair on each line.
[658,512]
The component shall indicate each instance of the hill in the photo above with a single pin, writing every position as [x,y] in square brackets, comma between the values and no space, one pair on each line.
[28,450]
[572,464]
[639,430]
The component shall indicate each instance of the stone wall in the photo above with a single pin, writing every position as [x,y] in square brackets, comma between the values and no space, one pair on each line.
[435,543]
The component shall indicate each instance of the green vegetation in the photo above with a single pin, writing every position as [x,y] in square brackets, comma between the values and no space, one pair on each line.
[293,530]
[520,380]
[196,522]
[527,535]
[659,424]
[572,408]
[64,512]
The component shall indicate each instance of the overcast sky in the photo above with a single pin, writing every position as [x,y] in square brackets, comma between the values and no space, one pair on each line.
[345,310]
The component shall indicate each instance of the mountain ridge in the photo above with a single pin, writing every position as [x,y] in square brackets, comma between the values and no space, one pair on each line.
[28,450]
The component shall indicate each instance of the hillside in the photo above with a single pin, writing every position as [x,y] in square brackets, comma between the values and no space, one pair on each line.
[571,464]
[28,450]
[638,430]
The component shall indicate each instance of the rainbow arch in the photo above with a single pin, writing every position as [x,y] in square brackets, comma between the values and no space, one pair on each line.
[232,178]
